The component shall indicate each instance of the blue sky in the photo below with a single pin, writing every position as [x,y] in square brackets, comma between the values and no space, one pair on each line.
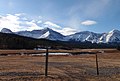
[65,16]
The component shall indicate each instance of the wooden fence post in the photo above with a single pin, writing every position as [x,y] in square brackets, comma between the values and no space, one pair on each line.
[46,63]
[97,67]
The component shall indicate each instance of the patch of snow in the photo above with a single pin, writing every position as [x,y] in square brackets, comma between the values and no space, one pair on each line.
[45,35]
[50,54]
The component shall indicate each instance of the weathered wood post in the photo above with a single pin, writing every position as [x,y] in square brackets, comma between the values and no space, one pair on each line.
[97,67]
[46,63]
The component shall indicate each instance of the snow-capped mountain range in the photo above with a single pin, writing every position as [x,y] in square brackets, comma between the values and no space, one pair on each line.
[47,33]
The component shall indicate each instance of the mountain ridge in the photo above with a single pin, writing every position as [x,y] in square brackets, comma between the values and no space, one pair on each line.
[47,33]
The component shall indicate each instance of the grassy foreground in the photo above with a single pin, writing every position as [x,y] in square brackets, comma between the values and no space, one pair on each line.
[61,68]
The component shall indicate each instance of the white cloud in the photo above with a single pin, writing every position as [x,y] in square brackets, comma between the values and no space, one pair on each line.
[62,30]
[9,21]
[50,24]
[18,14]
[17,23]
[68,31]
[33,21]
[39,21]
[88,22]
[30,26]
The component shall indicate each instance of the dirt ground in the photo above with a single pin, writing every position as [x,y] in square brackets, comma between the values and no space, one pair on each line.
[61,68]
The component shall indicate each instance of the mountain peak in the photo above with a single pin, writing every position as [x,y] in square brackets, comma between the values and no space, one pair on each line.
[6,30]
[114,30]
[47,28]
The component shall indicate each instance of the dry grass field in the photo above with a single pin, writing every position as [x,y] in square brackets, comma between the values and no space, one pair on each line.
[61,68]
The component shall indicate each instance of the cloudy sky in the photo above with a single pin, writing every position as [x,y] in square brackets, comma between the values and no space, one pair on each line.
[64,16]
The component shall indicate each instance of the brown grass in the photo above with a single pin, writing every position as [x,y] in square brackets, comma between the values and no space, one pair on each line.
[43,51]
[61,68]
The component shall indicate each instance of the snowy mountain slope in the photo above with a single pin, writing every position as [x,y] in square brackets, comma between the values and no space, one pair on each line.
[52,35]
[44,33]
[33,34]
[47,33]
[102,39]
[85,36]
[112,36]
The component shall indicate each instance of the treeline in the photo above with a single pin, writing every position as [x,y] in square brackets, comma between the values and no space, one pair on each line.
[89,45]
[12,41]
